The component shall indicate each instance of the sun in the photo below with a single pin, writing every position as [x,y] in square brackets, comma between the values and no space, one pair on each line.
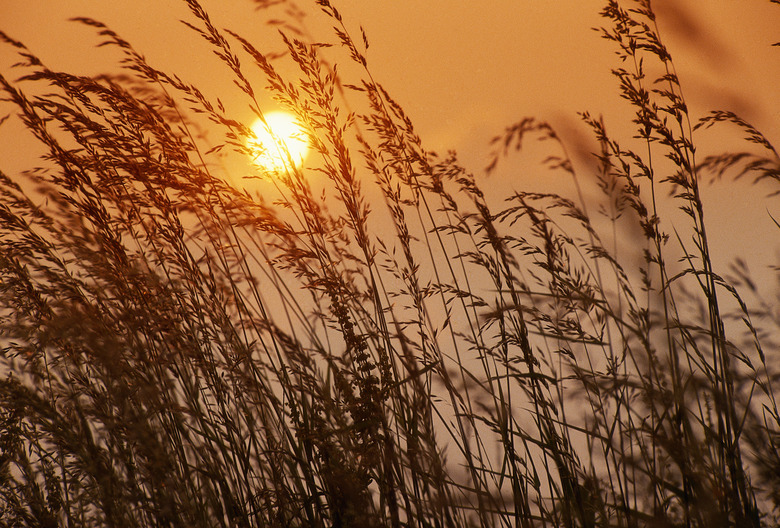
[278,142]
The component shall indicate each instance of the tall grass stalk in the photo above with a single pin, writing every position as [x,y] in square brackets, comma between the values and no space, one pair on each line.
[371,342]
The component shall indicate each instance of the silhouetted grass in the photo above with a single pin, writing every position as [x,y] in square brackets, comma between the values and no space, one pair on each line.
[375,344]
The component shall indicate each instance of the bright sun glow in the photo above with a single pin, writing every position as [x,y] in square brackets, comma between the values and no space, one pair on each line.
[270,148]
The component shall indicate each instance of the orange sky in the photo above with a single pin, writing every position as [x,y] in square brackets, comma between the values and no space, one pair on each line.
[462,70]
[469,66]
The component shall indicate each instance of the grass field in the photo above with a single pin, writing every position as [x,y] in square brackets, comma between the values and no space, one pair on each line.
[371,341]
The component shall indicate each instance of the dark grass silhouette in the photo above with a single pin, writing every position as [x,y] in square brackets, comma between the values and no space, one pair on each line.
[177,352]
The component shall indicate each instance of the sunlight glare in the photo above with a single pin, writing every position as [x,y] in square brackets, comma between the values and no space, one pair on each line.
[270,148]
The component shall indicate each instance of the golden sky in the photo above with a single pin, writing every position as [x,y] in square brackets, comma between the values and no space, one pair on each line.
[462,70]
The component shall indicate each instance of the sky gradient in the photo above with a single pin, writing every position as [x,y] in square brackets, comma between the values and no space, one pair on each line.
[461,70]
